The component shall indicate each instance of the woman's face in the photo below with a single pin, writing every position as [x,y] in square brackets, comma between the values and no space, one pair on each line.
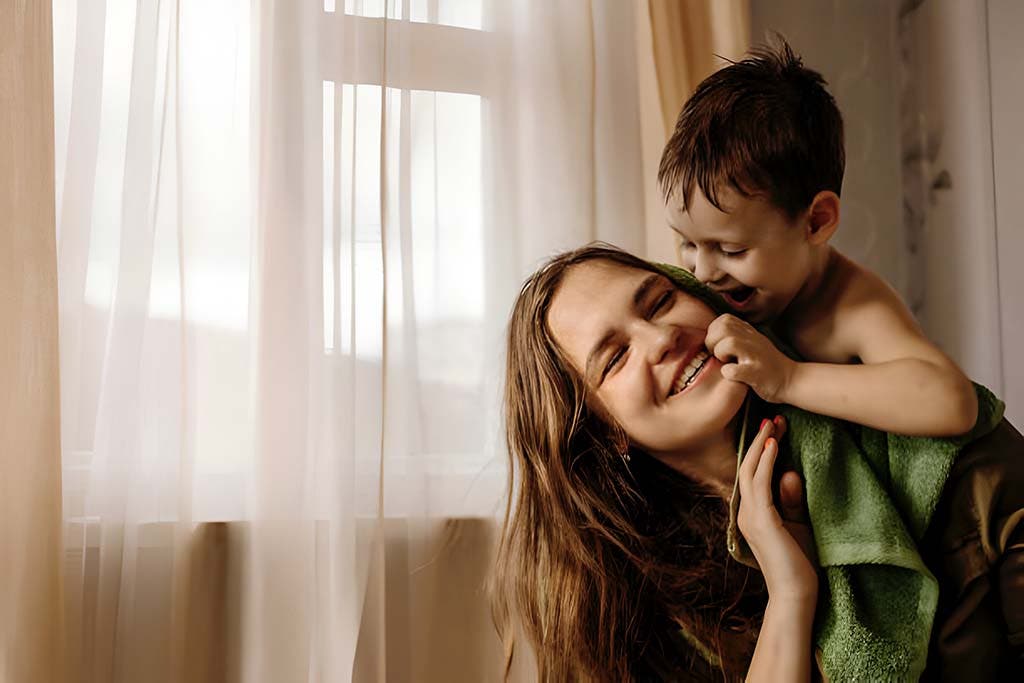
[639,344]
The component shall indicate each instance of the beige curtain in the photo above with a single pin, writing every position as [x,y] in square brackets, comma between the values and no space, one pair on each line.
[30,532]
[159,588]
[689,39]
[679,43]
[268,474]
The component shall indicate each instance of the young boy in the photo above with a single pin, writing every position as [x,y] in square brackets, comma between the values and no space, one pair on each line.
[752,177]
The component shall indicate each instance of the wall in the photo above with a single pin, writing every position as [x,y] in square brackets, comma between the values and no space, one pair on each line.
[930,93]
[1006,56]
[949,182]
[853,45]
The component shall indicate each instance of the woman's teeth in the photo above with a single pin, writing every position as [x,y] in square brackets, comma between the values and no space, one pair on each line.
[693,368]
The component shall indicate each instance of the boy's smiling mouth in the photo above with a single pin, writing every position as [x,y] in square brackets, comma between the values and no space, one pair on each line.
[738,297]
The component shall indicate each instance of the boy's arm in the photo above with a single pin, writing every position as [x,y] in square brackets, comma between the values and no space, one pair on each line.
[905,385]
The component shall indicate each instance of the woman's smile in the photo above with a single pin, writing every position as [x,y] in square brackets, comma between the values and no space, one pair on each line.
[693,372]
[643,341]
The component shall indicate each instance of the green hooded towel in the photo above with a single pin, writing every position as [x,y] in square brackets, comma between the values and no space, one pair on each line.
[870,496]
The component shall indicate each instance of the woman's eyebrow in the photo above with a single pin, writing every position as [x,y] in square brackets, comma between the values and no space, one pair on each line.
[639,295]
[646,286]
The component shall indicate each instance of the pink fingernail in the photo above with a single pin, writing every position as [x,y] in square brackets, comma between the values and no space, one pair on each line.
[764,422]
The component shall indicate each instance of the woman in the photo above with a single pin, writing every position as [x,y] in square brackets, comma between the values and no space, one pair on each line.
[621,431]
[613,552]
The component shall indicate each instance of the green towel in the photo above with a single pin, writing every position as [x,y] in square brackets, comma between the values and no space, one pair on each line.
[870,496]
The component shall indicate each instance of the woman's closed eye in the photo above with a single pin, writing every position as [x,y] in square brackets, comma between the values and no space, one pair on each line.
[662,301]
[614,360]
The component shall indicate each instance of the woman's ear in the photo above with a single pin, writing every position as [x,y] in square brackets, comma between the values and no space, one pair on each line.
[822,217]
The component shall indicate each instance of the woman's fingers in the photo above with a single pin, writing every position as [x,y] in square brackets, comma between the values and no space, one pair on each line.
[769,428]
[763,475]
[782,544]
[780,427]
[791,498]
[753,456]
[794,514]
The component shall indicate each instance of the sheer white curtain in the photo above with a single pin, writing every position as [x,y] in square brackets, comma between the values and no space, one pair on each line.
[289,234]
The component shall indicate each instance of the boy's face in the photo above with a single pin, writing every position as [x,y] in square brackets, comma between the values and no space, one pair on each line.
[752,253]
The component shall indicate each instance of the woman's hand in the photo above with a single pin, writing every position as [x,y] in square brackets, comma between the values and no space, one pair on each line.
[784,549]
[781,543]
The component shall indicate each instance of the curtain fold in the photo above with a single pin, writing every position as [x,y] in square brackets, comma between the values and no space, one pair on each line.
[690,40]
[289,237]
[31,646]
[679,43]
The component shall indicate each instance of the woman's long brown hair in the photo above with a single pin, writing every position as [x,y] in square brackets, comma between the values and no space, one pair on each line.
[601,561]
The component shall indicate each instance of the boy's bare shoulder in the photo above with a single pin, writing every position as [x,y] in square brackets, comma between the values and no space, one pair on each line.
[863,287]
[829,329]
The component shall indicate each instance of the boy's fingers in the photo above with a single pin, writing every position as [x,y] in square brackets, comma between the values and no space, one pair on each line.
[717,330]
[714,333]
[725,350]
[738,372]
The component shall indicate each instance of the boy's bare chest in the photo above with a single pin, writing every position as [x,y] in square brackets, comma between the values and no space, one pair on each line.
[817,335]
[819,329]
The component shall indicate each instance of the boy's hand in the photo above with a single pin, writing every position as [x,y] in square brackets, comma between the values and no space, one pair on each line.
[749,357]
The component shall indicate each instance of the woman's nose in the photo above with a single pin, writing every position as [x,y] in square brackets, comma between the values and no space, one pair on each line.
[660,341]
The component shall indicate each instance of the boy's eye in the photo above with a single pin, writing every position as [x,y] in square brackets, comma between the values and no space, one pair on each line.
[732,251]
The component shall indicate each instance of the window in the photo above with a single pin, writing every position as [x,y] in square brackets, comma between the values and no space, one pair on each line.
[435,108]
[188,252]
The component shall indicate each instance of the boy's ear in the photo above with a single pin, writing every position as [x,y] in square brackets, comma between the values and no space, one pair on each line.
[822,217]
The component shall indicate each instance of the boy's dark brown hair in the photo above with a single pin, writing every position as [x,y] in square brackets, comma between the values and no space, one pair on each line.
[764,125]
